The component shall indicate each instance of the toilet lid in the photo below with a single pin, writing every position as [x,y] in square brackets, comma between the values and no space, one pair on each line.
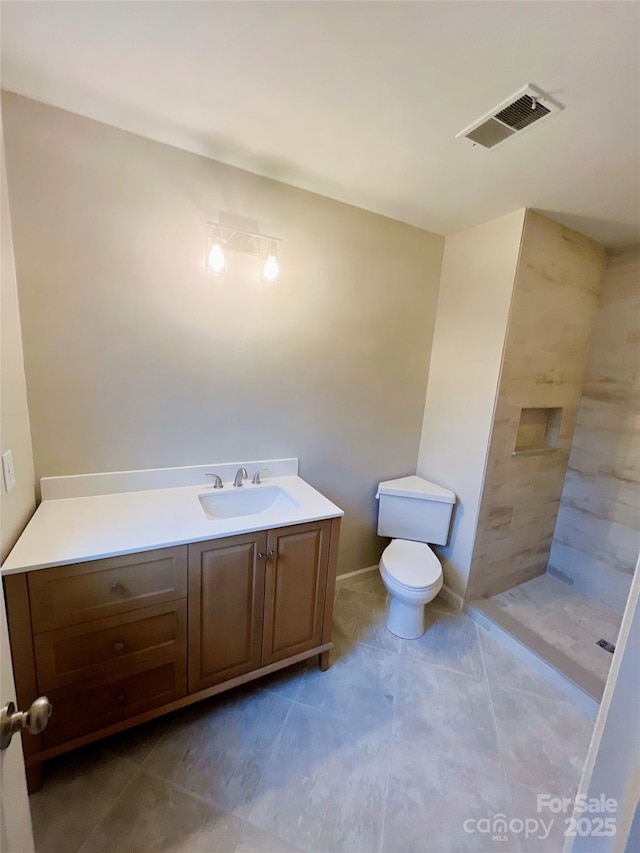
[412,563]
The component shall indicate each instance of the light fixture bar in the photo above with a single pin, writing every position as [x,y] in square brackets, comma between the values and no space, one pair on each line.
[245,242]
[222,239]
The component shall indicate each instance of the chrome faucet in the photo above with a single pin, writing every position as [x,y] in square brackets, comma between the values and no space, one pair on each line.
[217,481]
[241,474]
[256,477]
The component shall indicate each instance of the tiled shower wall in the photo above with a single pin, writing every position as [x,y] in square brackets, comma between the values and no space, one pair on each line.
[597,536]
[554,304]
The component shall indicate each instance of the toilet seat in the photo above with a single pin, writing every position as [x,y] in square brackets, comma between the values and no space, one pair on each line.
[411,565]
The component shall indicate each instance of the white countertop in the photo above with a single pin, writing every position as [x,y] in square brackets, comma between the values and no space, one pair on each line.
[77,529]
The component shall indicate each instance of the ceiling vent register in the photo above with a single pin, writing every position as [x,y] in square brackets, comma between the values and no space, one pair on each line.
[523,109]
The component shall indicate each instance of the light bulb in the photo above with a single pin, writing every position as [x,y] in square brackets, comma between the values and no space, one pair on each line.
[216,259]
[271,269]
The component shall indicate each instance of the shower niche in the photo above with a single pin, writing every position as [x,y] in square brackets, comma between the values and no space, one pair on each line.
[538,430]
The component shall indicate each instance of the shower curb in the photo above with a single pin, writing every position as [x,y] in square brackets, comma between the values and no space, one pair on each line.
[563,673]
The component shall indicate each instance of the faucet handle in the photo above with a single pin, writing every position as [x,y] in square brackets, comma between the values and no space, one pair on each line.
[256,477]
[217,480]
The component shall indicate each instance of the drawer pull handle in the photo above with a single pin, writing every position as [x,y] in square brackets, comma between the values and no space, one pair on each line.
[120,698]
[118,646]
[116,586]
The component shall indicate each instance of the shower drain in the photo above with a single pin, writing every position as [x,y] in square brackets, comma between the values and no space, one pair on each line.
[607,646]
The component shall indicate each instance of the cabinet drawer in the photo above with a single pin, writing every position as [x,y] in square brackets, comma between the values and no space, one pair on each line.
[103,646]
[70,595]
[78,711]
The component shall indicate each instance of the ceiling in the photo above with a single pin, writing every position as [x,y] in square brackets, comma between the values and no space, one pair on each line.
[361,101]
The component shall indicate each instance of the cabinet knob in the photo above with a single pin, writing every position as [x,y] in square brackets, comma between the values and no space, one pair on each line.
[116,586]
[120,698]
[118,646]
[270,553]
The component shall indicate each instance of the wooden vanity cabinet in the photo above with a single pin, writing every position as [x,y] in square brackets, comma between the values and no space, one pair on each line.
[119,641]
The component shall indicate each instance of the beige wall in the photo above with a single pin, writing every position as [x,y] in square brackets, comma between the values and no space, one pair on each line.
[597,534]
[17,506]
[554,306]
[478,272]
[135,357]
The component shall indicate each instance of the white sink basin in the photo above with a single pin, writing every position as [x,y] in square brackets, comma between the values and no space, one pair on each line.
[246,500]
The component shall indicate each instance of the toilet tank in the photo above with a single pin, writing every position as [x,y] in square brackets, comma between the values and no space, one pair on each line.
[413,508]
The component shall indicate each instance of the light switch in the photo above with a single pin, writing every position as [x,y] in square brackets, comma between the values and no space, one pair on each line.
[8,470]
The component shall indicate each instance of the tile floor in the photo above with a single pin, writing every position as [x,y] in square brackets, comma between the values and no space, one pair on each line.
[565,619]
[389,751]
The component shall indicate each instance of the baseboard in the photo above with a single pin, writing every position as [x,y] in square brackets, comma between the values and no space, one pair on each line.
[452,598]
[560,671]
[357,573]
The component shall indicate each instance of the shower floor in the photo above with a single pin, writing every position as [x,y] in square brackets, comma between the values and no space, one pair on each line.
[564,619]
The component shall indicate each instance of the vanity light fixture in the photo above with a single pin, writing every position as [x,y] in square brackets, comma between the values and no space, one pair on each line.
[221,240]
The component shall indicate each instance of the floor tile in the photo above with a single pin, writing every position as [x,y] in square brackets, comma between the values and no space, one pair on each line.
[450,641]
[361,619]
[78,791]
[256,840]
[441,603]
[431,811]
[504,669]
[358,687]
[544,743]
[446,717]
[323,788]
[217,749]
[286,682]
[370,583]
[153,816]
[546,835]
[136,744]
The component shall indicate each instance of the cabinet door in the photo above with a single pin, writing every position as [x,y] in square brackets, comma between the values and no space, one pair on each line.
[226,598]
[296,581]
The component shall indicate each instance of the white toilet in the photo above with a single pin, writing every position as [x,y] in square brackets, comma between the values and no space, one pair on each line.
[414,512]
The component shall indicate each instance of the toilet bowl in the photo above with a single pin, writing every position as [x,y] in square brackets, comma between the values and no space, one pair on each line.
[412,576]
